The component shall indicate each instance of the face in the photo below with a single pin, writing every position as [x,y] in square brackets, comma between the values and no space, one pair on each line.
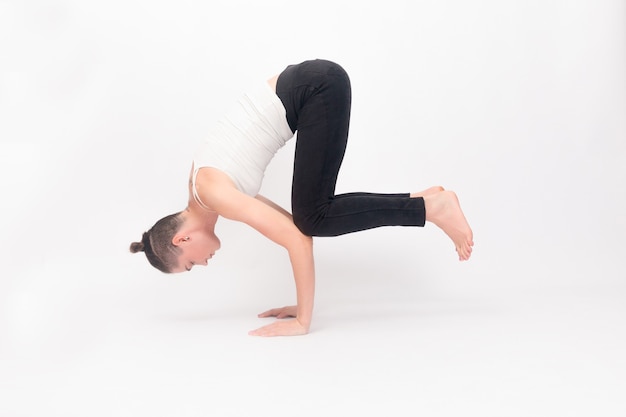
[196,249]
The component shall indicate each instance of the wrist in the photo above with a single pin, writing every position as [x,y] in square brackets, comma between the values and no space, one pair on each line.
[306,324]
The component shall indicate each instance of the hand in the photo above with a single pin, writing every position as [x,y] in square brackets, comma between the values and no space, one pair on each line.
[281,328]
[280,313]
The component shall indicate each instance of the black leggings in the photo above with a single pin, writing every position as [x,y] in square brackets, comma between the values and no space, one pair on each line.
[317,96]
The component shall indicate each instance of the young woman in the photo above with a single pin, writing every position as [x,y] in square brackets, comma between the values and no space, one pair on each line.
[313,99]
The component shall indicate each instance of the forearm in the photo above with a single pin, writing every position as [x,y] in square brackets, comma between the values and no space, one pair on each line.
[302,262]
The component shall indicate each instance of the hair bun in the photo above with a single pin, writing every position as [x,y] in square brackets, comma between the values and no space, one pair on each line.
[136,247]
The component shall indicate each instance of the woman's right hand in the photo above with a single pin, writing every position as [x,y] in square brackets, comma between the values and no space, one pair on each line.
[281,328]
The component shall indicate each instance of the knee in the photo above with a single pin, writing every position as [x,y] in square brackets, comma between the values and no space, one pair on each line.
[304,224]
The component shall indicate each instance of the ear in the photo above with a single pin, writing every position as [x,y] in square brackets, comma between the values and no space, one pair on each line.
[180,240]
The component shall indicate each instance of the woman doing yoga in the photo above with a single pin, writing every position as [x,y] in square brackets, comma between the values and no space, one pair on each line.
[312,98]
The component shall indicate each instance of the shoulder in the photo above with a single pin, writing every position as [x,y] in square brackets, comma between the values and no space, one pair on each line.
[213,176]
[212,186]
[217,192]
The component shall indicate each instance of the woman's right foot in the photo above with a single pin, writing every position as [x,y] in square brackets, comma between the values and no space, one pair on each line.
[443,209]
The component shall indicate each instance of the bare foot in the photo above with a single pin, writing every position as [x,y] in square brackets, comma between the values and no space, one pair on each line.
[428,191]
[443,209]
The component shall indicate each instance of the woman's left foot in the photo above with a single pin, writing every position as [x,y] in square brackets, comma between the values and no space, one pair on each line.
[428,191]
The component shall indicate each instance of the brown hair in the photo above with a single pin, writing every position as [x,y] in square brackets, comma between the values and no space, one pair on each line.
[157,243]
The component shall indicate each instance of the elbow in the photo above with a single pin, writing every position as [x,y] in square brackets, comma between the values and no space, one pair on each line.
[306,241]
[301,242]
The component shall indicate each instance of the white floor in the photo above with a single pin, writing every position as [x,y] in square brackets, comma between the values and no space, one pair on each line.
[105,344]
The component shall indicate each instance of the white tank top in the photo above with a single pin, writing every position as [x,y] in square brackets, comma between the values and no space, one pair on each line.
[244,141]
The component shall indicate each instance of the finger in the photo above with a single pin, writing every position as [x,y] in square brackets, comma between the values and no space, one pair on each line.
[269,313]
[262,331]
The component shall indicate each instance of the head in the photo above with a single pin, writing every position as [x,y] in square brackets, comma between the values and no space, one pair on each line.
[178,242]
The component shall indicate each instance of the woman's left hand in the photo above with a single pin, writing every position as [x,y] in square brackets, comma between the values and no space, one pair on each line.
[281,313]
[281,328]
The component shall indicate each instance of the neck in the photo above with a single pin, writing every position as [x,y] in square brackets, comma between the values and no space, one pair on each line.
[201,217]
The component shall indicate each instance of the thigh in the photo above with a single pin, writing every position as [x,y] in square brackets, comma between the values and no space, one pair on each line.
[317,97]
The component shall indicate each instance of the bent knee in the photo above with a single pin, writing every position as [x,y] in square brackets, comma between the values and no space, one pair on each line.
[305,225]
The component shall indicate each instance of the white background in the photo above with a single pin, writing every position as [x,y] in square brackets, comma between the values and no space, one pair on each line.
[518,106]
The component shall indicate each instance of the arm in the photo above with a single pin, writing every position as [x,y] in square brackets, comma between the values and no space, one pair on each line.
[274,206]
[276,224]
